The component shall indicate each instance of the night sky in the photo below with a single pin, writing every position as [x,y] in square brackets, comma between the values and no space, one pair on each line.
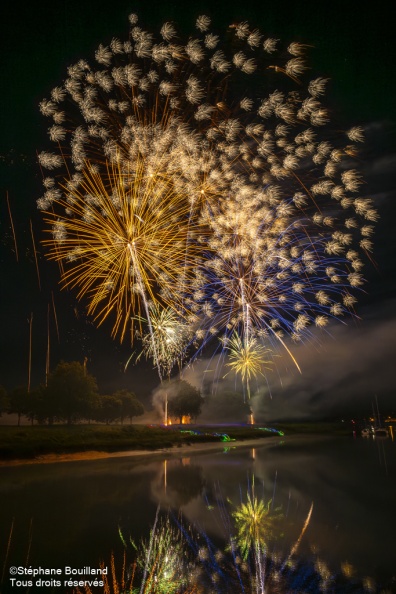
[353,47]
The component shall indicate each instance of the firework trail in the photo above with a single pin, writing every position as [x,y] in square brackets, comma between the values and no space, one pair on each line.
[12,227]
[35,255]
[201,180]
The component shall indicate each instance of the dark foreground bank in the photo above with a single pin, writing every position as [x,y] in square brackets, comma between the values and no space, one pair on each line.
[36,441]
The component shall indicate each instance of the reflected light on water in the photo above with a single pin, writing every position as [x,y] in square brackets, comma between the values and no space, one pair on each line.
[177,558]
[348,537]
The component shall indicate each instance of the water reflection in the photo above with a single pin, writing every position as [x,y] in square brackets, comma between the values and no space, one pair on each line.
[177,483]
[75,510]
[178,559]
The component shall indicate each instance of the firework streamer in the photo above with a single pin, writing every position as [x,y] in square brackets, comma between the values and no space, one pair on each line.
[47,358]
[35,255]
[149,548]
[55,316]
[30,322]
[7,550]
[298,541]
[12,227]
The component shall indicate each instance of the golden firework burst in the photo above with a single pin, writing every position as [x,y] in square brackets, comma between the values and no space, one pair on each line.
[256,524]
[247,358]
[124,241]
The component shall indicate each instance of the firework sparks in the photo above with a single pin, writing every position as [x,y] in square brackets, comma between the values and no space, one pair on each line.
[236,214]
[255,524]
[167,340]
[128,238]
[247,358]
[178,558]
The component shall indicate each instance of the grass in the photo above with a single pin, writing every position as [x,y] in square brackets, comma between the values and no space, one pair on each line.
[33,441]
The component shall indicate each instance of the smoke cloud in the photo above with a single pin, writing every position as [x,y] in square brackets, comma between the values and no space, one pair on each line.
[342,371]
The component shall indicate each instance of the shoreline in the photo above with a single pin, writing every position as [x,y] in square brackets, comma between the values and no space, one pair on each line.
[103,455]
[59,444]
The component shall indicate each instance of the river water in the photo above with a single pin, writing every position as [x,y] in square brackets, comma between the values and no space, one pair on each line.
[71,513]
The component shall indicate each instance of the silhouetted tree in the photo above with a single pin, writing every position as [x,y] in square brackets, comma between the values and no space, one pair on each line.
[4,401]
[71,393]
[109,409]
[38,405]
[118,406]
[18,402]
[130,405]
[185,401]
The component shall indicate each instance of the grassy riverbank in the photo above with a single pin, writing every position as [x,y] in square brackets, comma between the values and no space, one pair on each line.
[35,441]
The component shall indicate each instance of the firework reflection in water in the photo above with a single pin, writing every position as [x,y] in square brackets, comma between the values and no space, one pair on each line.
[178,558]
[239,213]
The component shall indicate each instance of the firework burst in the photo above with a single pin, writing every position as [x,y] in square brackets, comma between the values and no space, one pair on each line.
[247,358]
[236,212]
[255,524]
[120,241]
[167,341]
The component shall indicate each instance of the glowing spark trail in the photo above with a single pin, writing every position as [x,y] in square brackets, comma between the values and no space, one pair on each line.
[12,227]
[298,541]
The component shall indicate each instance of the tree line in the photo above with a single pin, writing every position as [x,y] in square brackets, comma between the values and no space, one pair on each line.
[71,396]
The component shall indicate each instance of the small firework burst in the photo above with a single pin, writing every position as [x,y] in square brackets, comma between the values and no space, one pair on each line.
[168,340]
[247,358]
